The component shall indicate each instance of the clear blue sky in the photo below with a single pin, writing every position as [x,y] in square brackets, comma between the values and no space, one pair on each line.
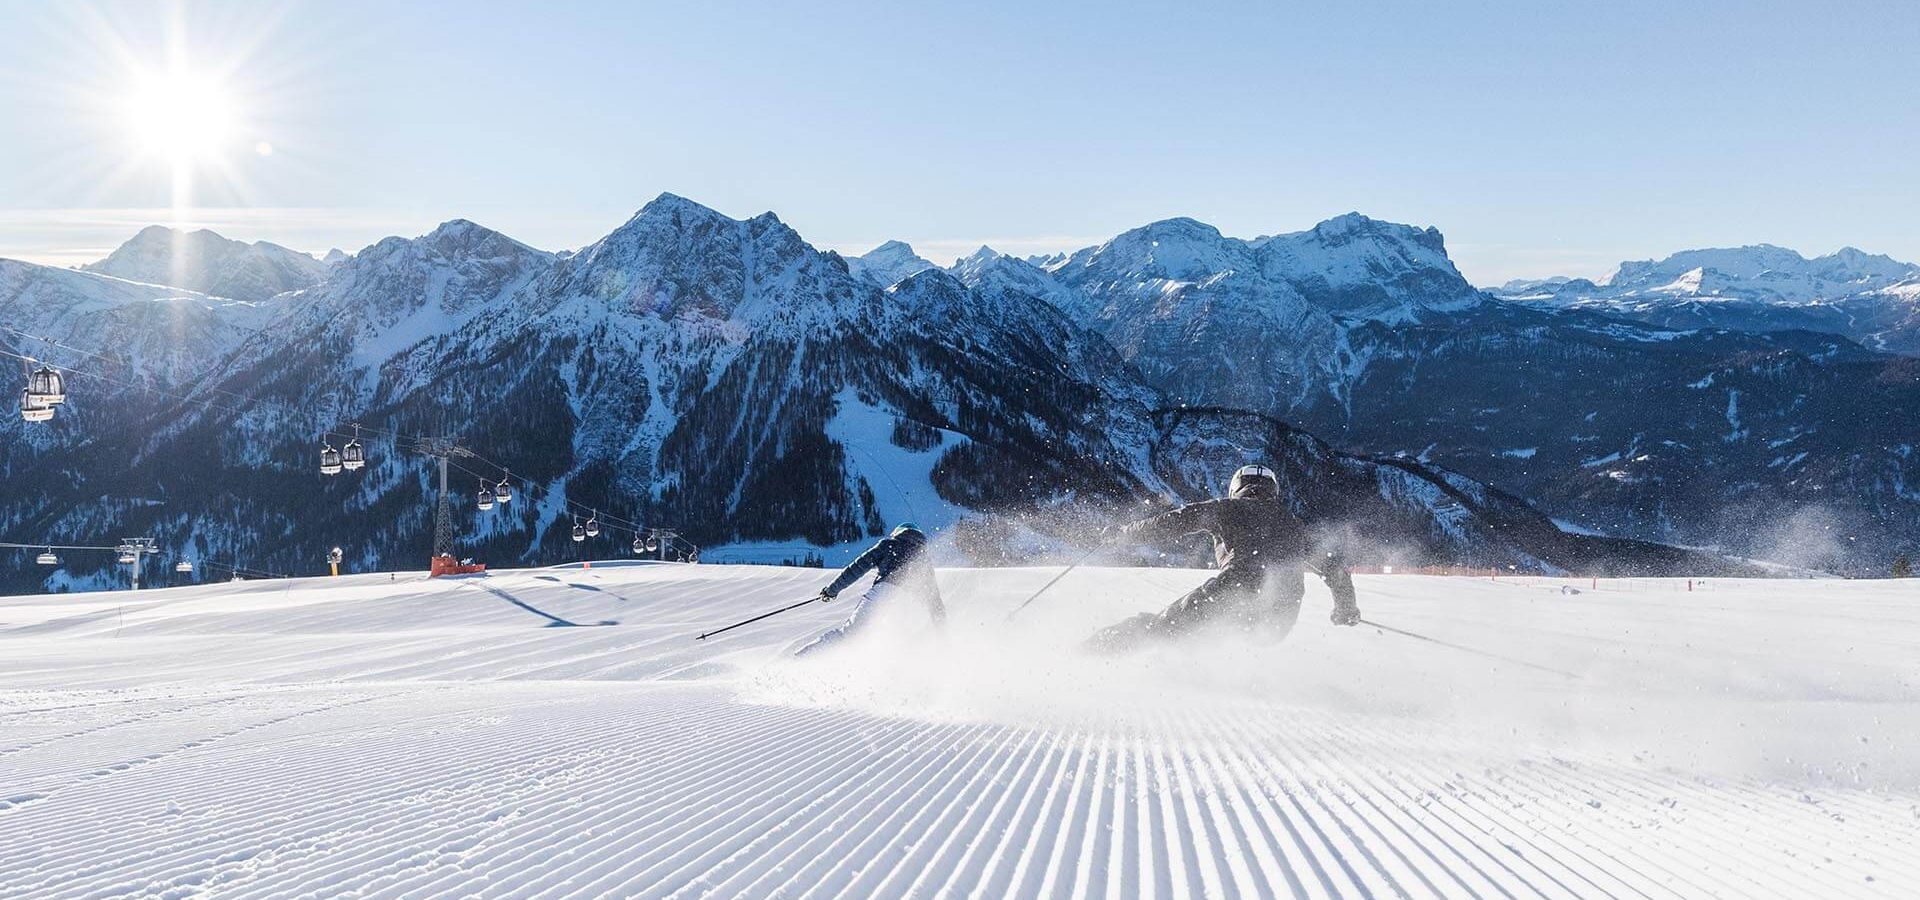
[1540,137]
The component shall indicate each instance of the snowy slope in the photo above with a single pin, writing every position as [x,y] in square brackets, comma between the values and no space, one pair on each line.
[713,375]
[1365,334]
[888,264]
[1869,298]
[1761,272]
[210,264]
[150,330]
[559,733]
[1258,324]
[722,377]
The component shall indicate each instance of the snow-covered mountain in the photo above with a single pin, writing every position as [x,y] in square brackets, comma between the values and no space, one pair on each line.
[888,264]
[1364,333]
[207,263]
[1870,298]
[1198,312]
[1760,272]
[696,371]
[141,331]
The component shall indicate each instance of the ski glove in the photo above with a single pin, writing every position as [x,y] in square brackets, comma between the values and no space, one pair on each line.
[1346,615]
[827,596]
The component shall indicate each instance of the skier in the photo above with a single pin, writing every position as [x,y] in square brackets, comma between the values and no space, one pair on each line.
[902,568]
[1262,549]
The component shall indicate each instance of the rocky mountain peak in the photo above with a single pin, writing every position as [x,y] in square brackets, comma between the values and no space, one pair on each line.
[889,263]
[679,258]
[1353,227]
[1177,249]
[209,263]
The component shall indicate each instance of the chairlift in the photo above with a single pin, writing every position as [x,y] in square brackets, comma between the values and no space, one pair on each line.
[47,386]
[329,459]
[47,558]
[353,456]
[486,496]
[593,524]
[653,543]
[129,554]
[184,567]
[639,545]
[503,492]
[32,408]
[579,531]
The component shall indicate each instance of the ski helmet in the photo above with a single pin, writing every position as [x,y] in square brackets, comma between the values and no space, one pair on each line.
[903,528]
[1254,481]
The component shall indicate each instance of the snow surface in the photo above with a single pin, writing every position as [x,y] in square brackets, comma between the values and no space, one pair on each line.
[1761,272]
[902,479]
[558,732]
[889,264]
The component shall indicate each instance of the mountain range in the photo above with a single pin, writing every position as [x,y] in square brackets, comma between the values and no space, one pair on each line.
[724,378]
[207,263]
[1872,299]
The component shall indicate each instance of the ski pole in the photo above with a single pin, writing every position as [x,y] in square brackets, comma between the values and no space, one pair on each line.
[1465,649]
[1056,580]
[757,618]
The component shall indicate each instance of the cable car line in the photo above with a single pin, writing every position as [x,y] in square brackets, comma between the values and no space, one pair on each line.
[572,506]
[351,456]
[327,459]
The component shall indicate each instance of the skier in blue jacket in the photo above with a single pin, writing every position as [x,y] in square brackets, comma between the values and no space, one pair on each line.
[901,566]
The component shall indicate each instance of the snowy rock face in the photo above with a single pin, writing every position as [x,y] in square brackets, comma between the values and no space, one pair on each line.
[1790,446]
[207,263]
[689,370]
[1760,272]
[1198,312]
[722,377]
[1364,333]
[149,331]
[1869,298]
[889,264]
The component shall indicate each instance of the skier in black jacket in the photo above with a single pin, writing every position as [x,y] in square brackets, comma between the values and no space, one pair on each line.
[901,566]
[1262,549]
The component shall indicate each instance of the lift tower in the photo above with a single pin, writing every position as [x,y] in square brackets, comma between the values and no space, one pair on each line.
[444,562]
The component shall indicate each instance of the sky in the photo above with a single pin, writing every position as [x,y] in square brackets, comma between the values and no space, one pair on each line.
[1540,138]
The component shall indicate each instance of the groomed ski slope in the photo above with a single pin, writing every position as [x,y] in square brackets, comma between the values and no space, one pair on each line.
[559,733]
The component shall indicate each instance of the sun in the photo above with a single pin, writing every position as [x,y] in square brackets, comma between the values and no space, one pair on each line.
[181,116]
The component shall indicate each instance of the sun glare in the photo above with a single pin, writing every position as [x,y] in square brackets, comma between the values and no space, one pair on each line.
[181,116]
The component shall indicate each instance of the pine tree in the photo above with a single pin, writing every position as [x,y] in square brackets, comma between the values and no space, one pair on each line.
[1902,566]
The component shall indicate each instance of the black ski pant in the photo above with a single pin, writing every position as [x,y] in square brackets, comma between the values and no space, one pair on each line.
[1261,602]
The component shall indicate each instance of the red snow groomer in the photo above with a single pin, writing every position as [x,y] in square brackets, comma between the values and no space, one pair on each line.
[445,564]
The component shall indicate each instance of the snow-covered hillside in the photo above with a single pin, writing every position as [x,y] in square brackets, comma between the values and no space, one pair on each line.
[1256,324]
[559,732]
[1761,272]
[712,375]
[888,264]
[1364,333]
[210,264]
[699,372]
[144,332]
[1870,298]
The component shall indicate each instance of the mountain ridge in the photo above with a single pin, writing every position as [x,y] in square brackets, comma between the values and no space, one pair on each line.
[1873,299]
[208,263]
[724,377]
